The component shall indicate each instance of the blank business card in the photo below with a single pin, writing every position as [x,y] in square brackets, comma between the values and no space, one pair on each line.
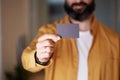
[68,30]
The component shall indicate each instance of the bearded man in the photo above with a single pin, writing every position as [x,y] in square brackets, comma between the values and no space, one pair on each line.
[95,55]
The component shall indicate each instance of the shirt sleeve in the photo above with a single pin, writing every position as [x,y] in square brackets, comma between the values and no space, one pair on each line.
[28,59]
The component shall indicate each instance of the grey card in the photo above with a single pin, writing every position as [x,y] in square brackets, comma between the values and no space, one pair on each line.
[68,30]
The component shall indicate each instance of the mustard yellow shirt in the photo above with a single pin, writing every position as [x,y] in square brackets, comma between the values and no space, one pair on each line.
[103,59]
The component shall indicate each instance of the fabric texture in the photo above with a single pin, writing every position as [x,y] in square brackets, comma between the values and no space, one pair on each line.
[103,58]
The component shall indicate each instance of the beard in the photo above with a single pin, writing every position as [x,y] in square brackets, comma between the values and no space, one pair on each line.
[80,14]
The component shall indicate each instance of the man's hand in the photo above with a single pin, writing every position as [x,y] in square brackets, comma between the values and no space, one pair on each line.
[45,46]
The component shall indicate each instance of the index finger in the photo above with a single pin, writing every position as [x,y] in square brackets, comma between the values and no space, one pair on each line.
[49,36]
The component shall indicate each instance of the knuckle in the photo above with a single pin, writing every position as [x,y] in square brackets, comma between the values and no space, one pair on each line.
[48,42]
[38,44]
[49,49]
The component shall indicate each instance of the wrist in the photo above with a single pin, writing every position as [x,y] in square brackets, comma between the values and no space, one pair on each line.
[38,61]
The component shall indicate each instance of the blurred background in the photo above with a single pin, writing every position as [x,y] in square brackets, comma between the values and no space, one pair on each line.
[20,20]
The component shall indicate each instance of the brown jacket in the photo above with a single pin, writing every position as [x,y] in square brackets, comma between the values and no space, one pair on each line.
[103,59]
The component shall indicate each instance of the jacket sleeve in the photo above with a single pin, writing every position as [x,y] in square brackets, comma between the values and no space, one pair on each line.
[28,59]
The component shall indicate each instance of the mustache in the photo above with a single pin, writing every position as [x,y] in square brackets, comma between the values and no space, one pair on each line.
[80,4]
